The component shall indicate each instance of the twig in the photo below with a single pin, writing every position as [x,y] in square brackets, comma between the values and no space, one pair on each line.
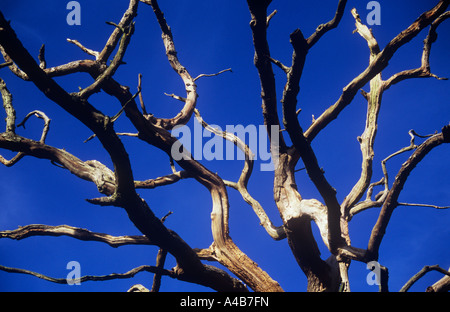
[6,64]
[41,57]
[86,50]
[411,147]
[42,116]
[283,67]
[118,133]
[270,16]
[116,116]
[141,100]
[179,98]
[12,161]
[423,205]
[212,75]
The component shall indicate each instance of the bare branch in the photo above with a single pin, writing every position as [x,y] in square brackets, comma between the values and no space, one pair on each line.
[141,99]
[12,66]
[84,49]
[176,97]
[276,233]
[367,139]
[424,70]
[6,64]
[442,285]
[411,147]
[125,21]
[9,108]
[212,75]
[116,116]
[129,274]
[379,63]
[116,62]
[303,146]
[160,260]
[191,89]
[423,205]
[189,266]
[323,28]
[391,200]
[41,57]
[161,181]
[283,67]
[12,161]
[74,232]
[42,116]
[258,25]
[421,273]
[271,15]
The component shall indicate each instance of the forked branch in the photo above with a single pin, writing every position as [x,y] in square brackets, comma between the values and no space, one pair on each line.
[391,201]
[276,233]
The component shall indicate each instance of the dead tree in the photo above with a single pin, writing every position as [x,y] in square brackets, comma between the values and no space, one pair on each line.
[120,188]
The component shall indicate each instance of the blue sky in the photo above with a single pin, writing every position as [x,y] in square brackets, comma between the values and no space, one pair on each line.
[211,36]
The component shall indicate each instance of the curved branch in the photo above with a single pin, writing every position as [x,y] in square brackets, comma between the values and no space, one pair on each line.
[391,201]
[74,232]
[379,63]
[90,170]
[424,70]
[421,273]
[191,89]
[367,139]
[323,28]
[129,274]
[42,116]
[276,233]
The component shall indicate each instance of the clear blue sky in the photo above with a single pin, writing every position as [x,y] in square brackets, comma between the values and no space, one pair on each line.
[211,36]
